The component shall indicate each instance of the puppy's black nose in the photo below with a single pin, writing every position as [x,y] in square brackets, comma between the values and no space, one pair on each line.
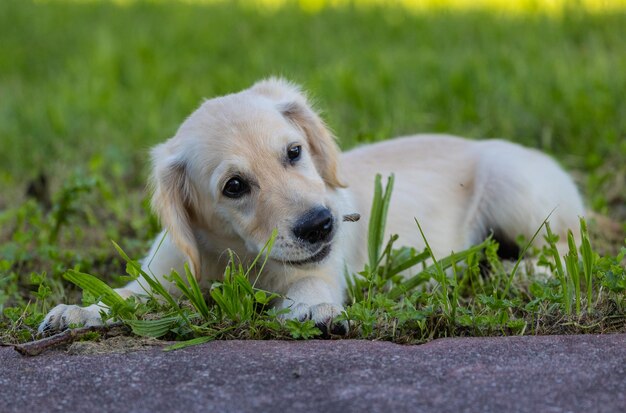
[314,226]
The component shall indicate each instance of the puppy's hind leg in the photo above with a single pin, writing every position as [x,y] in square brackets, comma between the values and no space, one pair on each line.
[517,189]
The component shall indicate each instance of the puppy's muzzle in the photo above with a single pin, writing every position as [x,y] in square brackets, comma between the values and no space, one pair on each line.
[315,226]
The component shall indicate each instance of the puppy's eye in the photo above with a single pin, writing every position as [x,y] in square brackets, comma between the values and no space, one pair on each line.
[235,188]
[293,153]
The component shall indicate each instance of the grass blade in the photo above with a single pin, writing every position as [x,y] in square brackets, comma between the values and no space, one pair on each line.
[153,328]
[155,286]
[378,219]
[265,252]
[523,254]
[195,295]
[571,263]
[97,288]
[552,239]
[443,264]
[418,259]
[189,343]
[588,258]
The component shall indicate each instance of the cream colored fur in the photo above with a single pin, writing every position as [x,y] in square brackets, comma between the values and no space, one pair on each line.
[459,190]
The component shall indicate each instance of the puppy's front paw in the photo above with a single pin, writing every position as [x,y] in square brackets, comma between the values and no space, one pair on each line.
[62,316]
[323,315]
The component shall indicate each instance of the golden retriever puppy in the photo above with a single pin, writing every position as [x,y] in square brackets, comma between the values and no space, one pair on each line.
[248,163]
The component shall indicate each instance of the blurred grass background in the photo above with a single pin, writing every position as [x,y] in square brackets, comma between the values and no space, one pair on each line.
[90,85]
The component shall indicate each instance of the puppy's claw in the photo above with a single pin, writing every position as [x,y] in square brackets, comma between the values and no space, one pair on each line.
[331,328]
[324,315]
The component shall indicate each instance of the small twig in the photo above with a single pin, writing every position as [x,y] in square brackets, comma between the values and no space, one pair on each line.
[37,347]
[352,217]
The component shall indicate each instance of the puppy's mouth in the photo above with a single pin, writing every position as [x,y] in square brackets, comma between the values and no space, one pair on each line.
[317,257]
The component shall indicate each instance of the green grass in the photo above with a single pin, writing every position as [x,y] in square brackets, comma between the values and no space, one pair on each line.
[381,304]
[87,88]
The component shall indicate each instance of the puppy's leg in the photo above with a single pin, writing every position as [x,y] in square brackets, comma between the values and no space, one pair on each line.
[317,299]
[162,259]
[63,316]
[516,189]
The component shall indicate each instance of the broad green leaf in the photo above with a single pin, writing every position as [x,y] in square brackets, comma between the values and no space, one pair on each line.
[153,328]
[95,287]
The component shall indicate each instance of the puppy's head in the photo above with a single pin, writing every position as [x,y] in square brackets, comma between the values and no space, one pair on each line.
[243,165]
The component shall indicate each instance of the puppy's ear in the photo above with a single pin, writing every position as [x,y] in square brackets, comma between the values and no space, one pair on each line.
[174,199]
[324,149]
[293,104]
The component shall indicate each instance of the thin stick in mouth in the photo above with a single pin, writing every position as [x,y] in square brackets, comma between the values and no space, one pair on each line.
[351,217]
